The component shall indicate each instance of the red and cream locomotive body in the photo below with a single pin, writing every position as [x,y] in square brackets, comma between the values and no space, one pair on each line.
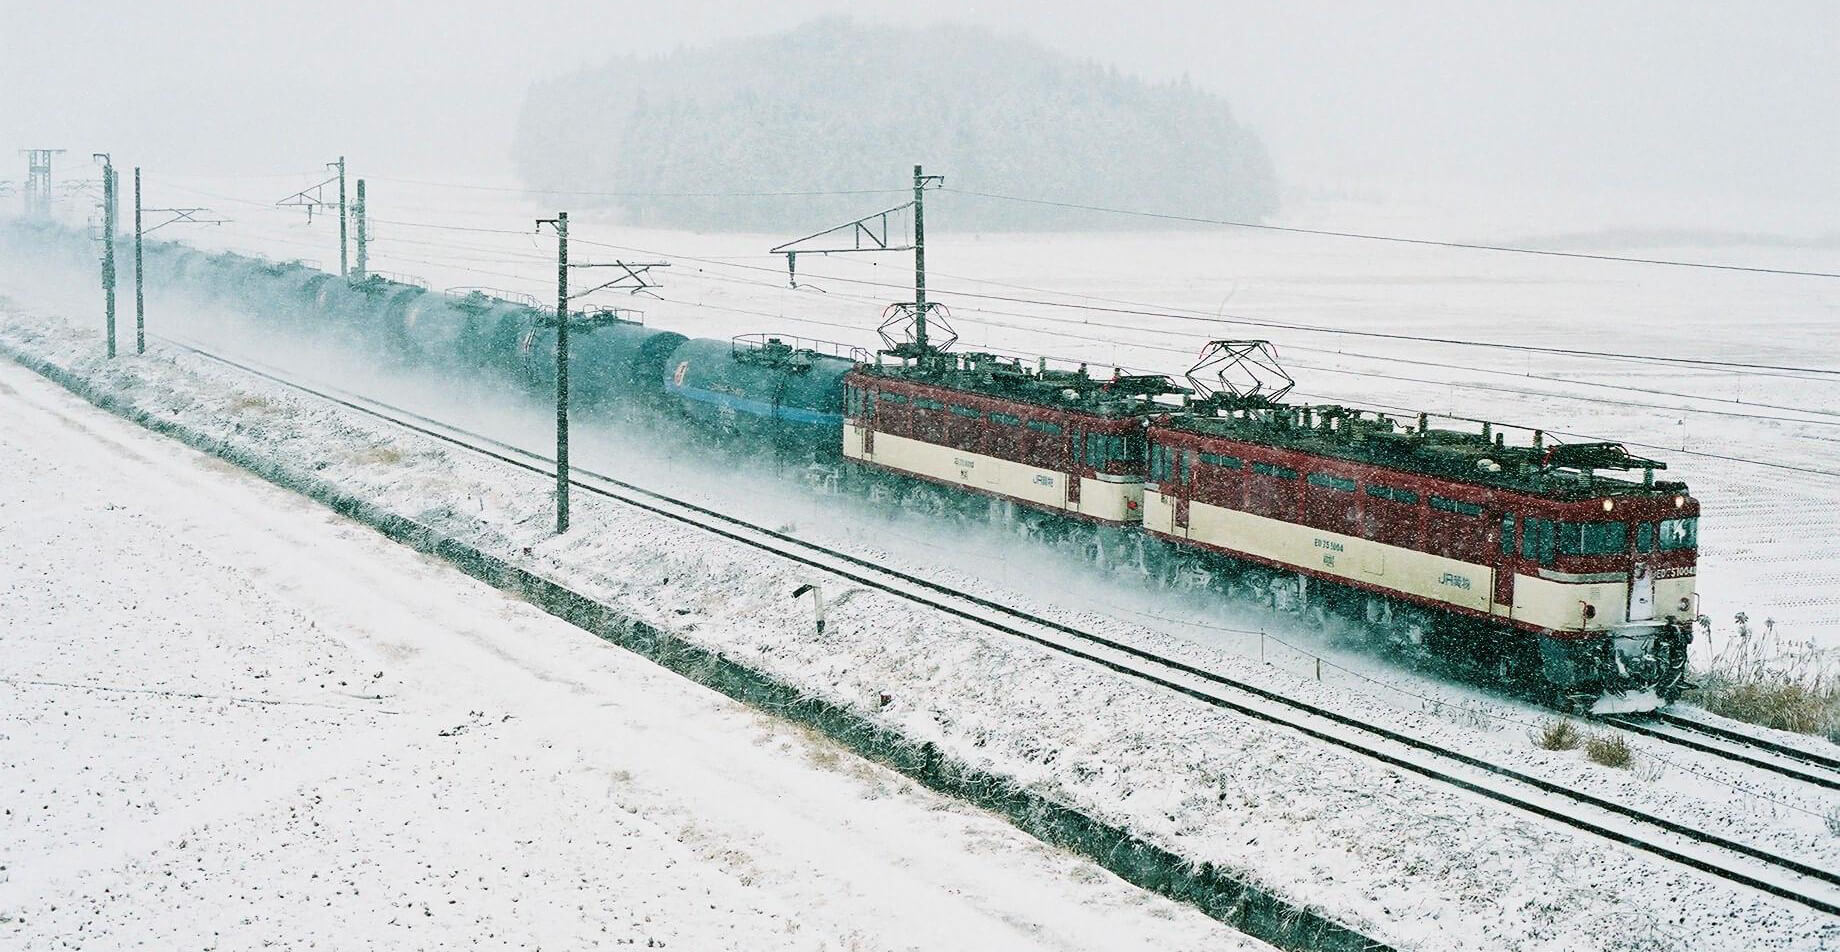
[1059,442]
[1522,557]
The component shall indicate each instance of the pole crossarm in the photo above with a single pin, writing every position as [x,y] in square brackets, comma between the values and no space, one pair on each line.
[868,233]
[634,277]
[310,198]
[181,215]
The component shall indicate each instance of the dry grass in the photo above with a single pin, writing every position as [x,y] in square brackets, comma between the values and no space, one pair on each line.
[378,455]
[1788,685]
[1558,733]
[1611,750]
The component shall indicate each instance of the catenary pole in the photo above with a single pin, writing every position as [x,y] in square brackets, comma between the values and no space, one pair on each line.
[140,299]
[344,267]
[561,224]
[562,372]
[357,212]
[919,260]
[108,248]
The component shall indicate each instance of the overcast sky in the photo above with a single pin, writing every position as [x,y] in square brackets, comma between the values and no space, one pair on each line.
[1739,101]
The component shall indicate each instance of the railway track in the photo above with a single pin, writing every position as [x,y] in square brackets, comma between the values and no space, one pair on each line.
[1810,886]
[1734,745]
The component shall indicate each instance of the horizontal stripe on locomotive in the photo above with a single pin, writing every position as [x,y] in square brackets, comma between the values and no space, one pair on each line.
[1420,575]
[1539,604]
[1103,501]
[759,408]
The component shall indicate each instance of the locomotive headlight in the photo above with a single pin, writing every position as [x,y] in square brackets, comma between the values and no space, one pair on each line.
[1679,501]
[1609,505]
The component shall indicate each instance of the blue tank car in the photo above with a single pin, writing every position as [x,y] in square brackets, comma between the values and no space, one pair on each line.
[614,364]
[784,393]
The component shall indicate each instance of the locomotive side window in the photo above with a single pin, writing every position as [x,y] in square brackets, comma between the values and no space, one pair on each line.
[1327,481]
[1402,496]
[1456,505]
[893,398]
[1507,534]
[1269,469]
[1005,419]
[1224,462]
[1043,426]
[1675,534]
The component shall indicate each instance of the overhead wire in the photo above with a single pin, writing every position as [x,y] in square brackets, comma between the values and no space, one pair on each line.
[729,263]
[1396,239]
[1139,344]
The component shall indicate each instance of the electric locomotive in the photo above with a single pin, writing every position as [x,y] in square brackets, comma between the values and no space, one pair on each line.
[1527,559]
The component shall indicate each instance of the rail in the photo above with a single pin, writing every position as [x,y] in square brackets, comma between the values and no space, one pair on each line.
[1768,872]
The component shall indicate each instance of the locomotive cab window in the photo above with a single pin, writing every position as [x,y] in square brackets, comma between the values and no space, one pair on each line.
[1103,448]
[1675,534]
[1645,537]
[1507,534]
[1537,539]
[1592,538]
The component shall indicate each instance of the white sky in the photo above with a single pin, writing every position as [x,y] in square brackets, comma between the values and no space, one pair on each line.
[1684,100]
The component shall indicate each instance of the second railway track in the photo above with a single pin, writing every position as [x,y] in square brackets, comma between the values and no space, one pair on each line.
[1734,745]
[1808,885]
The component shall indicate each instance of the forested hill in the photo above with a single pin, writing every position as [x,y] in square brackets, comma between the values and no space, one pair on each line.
[838,104]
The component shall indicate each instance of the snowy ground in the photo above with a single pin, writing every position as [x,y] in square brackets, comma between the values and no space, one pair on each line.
[1412,864]
[230,719]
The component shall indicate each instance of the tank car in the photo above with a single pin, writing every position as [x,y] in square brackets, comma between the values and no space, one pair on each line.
[783,393]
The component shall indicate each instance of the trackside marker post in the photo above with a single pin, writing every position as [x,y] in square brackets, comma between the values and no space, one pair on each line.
[817,602]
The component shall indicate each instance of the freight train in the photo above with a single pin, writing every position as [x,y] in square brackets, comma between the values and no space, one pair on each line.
[1545,564]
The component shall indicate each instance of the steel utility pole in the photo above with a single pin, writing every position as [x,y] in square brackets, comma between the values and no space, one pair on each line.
[38,181]
[344,267]
[140,302]
[561,224]
[357,212]
[108,244]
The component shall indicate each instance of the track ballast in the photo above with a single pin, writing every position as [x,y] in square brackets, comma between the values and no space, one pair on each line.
[1735,862]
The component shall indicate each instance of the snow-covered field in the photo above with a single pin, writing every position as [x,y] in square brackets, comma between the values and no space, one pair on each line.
[1421,867]
[232,720]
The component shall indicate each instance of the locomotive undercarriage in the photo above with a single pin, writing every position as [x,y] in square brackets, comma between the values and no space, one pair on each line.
[1572,674]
